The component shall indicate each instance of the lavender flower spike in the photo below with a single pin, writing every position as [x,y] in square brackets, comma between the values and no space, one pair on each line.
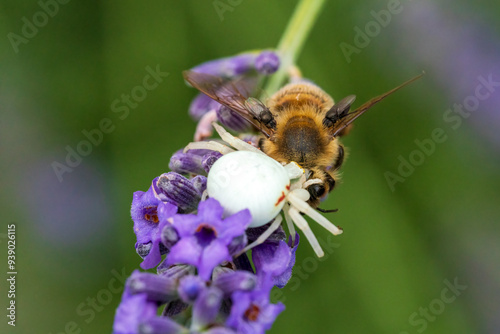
[205,237]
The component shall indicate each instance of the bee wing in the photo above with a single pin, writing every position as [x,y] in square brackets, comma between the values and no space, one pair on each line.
[351,117]
[232,94]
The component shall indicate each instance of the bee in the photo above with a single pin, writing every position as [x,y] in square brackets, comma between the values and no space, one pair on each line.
[299,123]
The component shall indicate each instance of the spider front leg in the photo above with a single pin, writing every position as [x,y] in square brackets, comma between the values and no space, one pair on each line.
[237,143]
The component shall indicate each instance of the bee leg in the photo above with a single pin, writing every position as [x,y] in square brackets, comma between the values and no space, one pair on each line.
[340,158]
[318,190]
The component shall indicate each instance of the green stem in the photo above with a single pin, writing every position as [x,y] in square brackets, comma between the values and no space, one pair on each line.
[293,39]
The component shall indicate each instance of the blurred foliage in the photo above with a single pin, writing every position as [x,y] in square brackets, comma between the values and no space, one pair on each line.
[398,247]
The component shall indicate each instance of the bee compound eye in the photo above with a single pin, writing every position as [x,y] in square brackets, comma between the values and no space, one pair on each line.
[316,190]
[266,116]
[327,122]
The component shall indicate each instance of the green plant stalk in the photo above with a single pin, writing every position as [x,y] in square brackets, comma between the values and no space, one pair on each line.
[293,40]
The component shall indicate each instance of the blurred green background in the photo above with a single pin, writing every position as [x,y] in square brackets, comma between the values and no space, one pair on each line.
[400,245]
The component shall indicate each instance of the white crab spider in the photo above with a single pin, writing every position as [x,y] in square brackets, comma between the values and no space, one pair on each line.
[249,179]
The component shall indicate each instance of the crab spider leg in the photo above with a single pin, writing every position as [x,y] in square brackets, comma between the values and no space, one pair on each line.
[289,222]
[302,206]
[204,128]
[208,145]
[204,195]
[233,141]
[302,224]
[263,237]
[294,170]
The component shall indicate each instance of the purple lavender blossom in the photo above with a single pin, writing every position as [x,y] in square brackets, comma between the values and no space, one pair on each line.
[232,119]
[206,308]
[205,237]
[190,287]
[176,189]
[231,281]
[199,273]
[209,159]
[201,105]
[188,162]
[133,309]
[200,181]
[252,311]
[145,214]
[228,67]
[267,62]
[275,259]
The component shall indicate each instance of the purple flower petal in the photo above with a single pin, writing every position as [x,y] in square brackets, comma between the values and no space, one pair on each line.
[228,67]
[206,237]
[185,251]
[232,120]
[252,312]
[271,258]
[231,281]
[206,308]
[235,225]
[166,210]
[188,162]
[214,254]
[157,288]
[144,214]
[281,280]
[133,309]
[200,105]
[267,62]
[190,287]
[160,325]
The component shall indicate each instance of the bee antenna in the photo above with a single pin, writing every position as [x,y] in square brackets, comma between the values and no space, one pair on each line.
[327,211]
